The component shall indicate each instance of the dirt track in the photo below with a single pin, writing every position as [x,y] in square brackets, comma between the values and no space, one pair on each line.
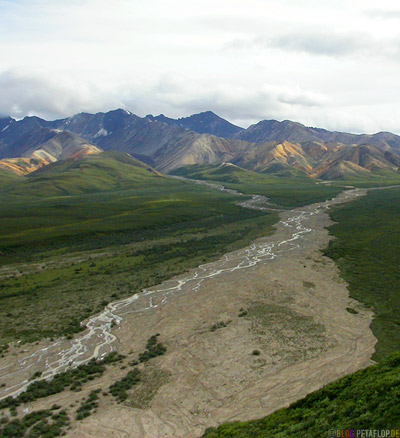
[296,317]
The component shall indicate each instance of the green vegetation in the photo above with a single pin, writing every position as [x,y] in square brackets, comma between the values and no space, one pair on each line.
[34,220]
[73,379]
[7,177]
[93,173]
[367,251]
[119,389]
[91,248]
[153,349]
[112,357]
[36,375]
[377,178]
[89,405]
[286,187]
[39,424]
[292,191]
[366,399]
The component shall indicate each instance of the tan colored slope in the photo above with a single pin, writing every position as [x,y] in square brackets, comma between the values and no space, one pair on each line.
[340,170]
[316,150]
[290,154]
[61,147]
[23,166]
[367,156]
[261,157]
[329,161]
[193,148]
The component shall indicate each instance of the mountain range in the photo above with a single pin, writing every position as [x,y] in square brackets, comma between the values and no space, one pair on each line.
[270,146]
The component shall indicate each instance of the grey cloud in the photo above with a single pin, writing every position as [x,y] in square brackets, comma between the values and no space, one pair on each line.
[385,14]
[49,97]
[301,98]
[316,43]
[324,43]
[176,97]
[26,93]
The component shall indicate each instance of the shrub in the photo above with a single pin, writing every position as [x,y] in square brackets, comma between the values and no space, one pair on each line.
[153,349]
[72,379]
[88,406]
[120,388]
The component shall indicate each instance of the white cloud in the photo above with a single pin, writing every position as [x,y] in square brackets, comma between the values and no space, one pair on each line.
[332,64]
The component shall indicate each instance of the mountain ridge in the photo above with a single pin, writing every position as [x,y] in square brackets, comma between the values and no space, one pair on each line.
[167,144]
[270,130]
[206,122]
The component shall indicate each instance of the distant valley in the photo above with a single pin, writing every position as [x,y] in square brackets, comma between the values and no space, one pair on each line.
[133,241]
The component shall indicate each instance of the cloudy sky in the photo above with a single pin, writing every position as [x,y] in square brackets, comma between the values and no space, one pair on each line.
[329,64]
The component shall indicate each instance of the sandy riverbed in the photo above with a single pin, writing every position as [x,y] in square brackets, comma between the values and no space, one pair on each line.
[296,317]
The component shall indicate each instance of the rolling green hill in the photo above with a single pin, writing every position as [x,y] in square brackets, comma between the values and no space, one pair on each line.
[80,233]
[287,192]
[92,173]
[7,178]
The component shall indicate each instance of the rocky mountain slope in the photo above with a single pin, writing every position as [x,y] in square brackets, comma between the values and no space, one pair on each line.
[61,145]
[203,123]
[272,130]
[286,148]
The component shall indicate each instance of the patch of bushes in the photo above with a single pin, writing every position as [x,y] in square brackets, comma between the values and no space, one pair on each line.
[153,349]
[352,311]
[119,389]
[112,357]
[72,379]
[88,406]
[39,424]
[36,375]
